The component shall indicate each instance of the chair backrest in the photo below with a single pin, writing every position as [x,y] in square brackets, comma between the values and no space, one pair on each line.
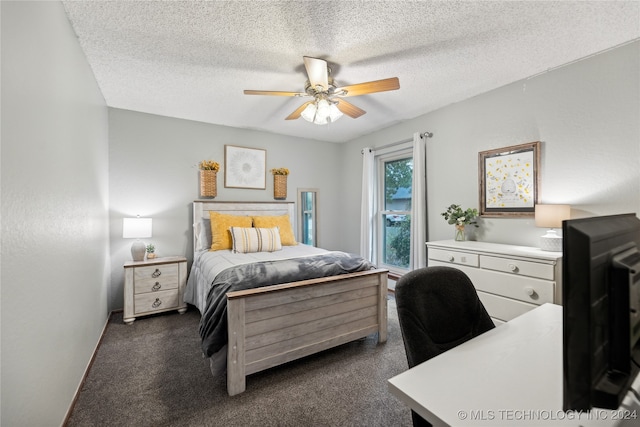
[438,309]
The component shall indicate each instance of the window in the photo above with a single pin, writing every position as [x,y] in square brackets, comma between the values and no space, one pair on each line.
[394,177]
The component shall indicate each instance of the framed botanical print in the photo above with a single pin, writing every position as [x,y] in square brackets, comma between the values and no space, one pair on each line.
[509,180]
[245,167]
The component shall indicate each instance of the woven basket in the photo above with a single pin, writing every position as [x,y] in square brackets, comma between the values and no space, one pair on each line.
[279,186]
[208,183]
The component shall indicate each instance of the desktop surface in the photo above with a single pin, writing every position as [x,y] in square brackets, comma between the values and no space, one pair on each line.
[510,375]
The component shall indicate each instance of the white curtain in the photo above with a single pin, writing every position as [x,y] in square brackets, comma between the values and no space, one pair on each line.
[367,210]
[418,251]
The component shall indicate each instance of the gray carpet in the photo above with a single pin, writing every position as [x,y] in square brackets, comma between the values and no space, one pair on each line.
[151,373]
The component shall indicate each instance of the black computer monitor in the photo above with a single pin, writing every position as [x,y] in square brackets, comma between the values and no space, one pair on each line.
[601,310]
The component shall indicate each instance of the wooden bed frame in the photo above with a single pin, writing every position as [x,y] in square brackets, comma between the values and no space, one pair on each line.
[272,325]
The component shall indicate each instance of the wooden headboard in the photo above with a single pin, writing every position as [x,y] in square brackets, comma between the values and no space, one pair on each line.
[201,209]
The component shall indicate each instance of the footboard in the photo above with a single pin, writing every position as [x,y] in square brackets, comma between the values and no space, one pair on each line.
[276,324]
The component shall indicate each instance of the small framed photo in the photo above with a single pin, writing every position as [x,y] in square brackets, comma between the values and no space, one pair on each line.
[245,167]
[509,180]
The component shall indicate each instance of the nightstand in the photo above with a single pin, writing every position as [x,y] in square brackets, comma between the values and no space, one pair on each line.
[153,286]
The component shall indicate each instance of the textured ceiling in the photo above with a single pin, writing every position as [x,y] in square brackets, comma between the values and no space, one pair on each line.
[193,59]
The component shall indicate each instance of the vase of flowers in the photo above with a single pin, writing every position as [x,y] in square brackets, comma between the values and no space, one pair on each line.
[460,218]
[280,182]
[209,178]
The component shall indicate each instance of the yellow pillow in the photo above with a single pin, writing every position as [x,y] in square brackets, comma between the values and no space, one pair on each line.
[282,222]
[220,224]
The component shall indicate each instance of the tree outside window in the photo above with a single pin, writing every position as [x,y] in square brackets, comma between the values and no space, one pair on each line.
[395,213]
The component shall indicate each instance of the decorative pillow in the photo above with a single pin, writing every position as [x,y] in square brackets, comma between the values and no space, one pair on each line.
[282,222]
[203,235]
[220,224]
[253,239]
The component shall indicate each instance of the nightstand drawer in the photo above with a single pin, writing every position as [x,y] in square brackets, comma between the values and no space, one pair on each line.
[519,267]
[156,301]
[155,278]
[454,257]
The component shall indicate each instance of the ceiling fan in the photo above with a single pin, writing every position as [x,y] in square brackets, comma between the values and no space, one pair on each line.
[328,104]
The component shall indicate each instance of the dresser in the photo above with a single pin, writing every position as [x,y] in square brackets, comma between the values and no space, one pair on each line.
[510,280]
[153,286]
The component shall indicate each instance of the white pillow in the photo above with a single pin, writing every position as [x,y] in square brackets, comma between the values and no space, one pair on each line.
[203,235]
[253,239]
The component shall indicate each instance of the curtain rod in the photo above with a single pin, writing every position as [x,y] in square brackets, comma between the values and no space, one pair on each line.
[404,141]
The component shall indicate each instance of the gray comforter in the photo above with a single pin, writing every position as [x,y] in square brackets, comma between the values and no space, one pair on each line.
[213,324]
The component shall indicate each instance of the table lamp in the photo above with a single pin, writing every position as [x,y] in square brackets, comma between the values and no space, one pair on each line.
[551,216]
[137,228]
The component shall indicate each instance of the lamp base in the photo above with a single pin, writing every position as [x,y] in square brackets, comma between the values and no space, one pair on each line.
[138,250]
[551,242]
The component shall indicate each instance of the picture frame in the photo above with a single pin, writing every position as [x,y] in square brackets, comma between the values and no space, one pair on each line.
[245,167]
[509,180]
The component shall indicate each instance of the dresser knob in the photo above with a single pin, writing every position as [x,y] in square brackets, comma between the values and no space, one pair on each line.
[513,268]
[530,291]
[157,303]
[156,287]
[451,258]
[156,273]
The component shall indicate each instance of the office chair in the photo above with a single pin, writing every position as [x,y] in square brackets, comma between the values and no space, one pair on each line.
[438,309]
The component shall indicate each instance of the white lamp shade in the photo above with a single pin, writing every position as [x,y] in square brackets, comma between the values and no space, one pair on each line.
[321,112]
[309,112]
[551,216]
[136,228]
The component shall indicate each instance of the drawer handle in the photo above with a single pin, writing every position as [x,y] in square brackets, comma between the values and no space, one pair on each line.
[156,287]
[530,291]
[156,273]
[451,258]
[513,268]
[157,303]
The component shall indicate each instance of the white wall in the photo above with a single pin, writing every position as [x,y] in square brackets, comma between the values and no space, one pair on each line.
[55,245]
[587,116]
[153,172]
[56,182]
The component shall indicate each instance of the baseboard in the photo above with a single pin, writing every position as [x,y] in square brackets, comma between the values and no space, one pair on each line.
[87,369]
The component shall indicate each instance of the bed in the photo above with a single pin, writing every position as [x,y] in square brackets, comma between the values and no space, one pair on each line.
[272,324]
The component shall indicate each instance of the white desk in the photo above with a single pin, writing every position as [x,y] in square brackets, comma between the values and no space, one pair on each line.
[511,375]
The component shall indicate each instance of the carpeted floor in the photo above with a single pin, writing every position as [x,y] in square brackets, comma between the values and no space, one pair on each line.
[151,373]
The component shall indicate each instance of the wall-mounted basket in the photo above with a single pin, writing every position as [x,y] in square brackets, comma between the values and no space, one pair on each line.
[208,183]
[279,186]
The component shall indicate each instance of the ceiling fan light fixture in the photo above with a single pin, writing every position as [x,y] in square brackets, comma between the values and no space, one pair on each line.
[321,112]
[326,104]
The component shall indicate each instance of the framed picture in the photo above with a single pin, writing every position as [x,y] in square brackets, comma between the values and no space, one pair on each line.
[509,180]
[245,167]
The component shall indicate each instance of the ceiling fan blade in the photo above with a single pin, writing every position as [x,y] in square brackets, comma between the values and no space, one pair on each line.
[369,87]
[299,110]
[317,71]
[273,93]
[349,109]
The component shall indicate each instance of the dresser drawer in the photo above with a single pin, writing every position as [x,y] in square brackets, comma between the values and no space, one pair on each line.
[155,278]
[526,289]
[519,267]
[156,301]
[503,309]
[453,257]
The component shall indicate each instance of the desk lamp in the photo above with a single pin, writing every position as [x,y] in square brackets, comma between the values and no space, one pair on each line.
[551,216]
[137,228]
